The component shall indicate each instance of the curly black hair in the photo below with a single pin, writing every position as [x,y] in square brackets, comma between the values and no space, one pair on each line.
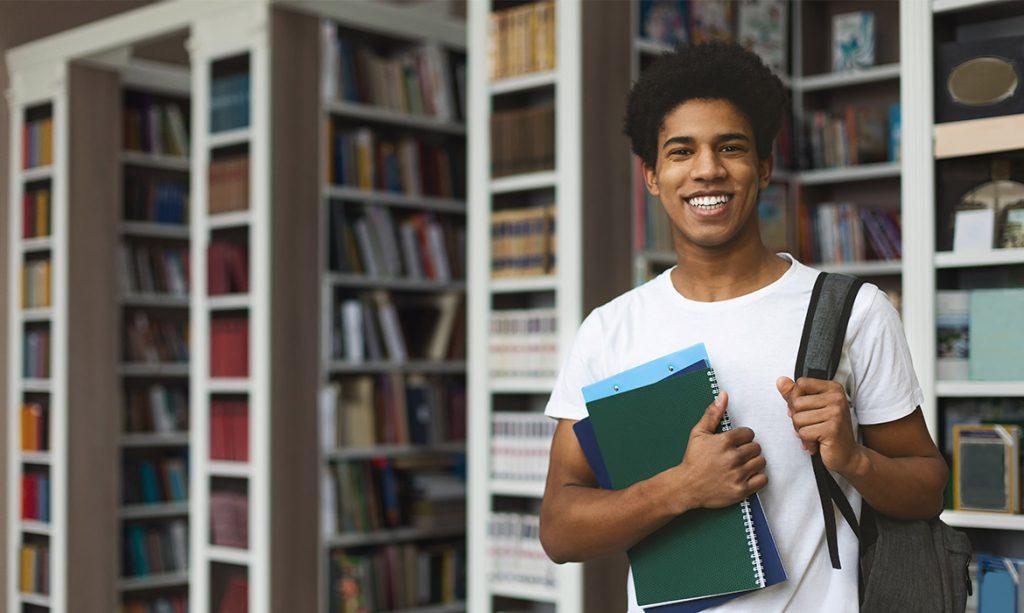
[713,70]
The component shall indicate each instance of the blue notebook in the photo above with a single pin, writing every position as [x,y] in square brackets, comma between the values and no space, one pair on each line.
[678,363]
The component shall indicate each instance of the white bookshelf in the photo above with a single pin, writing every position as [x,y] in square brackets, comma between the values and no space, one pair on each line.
[371,22]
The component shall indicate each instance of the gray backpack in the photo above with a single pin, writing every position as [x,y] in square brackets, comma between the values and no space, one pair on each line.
[905,565]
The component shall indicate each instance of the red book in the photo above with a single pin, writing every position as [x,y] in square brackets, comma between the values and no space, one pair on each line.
[29,497]
[241,431]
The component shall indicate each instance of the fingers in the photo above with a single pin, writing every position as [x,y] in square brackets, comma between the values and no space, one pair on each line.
[811,435]
[756,483]
[739,436]
[812,416]
[744,453]
[753,466]
[712,416]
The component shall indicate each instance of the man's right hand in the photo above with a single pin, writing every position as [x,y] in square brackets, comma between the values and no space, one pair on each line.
[719,469]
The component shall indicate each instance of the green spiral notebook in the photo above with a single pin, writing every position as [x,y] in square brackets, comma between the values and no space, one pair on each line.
[704,552]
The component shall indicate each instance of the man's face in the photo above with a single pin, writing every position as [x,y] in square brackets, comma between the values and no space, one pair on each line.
[708,175]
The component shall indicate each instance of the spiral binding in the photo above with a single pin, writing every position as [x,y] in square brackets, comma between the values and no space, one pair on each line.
[748,521]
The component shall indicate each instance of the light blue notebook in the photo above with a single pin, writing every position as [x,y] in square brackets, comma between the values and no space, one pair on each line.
[996,336]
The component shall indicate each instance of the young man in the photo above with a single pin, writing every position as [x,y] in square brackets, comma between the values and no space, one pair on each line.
[703,120]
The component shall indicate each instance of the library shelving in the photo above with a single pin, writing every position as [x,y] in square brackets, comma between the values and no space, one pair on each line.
[524,177]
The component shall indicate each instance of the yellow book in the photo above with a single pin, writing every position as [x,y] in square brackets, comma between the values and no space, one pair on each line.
[28,564]
[24,286]
[47,278]
[43,212]
[46,146]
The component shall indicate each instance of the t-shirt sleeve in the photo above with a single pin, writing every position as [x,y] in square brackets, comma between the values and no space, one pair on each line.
[566,401]
[884,385]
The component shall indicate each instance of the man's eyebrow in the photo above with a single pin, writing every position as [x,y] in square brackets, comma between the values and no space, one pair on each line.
[689,140]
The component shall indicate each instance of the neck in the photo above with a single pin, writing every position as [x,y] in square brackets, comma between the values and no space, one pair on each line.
[710,274]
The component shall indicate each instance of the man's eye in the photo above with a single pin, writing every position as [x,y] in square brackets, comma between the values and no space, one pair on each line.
[733,147]
[678,152]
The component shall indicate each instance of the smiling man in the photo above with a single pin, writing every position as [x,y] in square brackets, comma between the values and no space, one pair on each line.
[703,121]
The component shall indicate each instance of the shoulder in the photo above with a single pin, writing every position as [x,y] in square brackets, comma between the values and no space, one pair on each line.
[625,308]
[872,309]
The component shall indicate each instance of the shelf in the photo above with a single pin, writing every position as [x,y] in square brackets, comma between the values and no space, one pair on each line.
[454,607]
[418,285]
[980,389]
[229,138]
[150,229]
[661,258]
[864,172]
[368,112]
[163,301]
[149,582]
[543,179]
[155,160]
[222,468]
[141,369]
[521,386]
[943,6]
[154,510]
[524,591]
[228,302]
[37,174]
[228,555]
[834,80]
[391,451]
[36,385]
[429,203]
[978,136]
[153,439]
[978,519]
[994,257]
[396,535]
[228,386]
[520,489]
[39,600]
[523,82]
[234,219]
[514,285]
[415,366]
[37,314]
[42,458]
[40,243]
[35,527]
[864,269]
[646,46]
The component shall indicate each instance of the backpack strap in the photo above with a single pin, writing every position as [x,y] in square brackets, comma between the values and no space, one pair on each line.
[821,347]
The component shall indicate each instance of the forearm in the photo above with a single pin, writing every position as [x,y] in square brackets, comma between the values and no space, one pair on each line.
[580,523]
[905,487]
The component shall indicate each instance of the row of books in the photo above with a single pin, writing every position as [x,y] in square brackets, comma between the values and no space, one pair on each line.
[35,496]
[417,80]
[154,481]
[365,411]
[523,241]
[155,126]
[523,140]
[228,187]
[229,518]
[35,284]
[522,40]
[416,327]
[154,269]
[420,246]
[523,343]
[229,430]
[155,338]
[37,143]
[155,198]
[35,212]
[846,232]
[362,159]
[854,136]
[35,569]
[229,346]
[520,445]
[36,353]
[229,102]
[513,544]
[397,577]
[35,427]
[980,335]
[235,598]
[159,604]
[157,408]
[385,493]
[227,267]
[150,549]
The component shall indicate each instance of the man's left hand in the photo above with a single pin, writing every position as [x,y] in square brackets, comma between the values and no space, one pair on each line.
[821,417]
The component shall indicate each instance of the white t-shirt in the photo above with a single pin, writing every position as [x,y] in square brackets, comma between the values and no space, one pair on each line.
[752,340]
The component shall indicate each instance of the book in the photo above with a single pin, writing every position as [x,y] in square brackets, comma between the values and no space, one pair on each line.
[664,21]
[974,229]
[996,341]
[853,40]
[677,549]
[762,27]
[986,468]
[952,320]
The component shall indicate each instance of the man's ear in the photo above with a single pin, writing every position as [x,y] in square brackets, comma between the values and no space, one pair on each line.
[765,168]
[651,179]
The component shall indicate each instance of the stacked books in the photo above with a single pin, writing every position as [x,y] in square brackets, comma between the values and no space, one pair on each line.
[229,102]
[229,183]
[35,569]
[360,158]
[229,430]
[373,327]
[523,241]
[159,548]
[855,136]
[36,353]
[35,496]
[513,545]
[845,232]
[398,577]
[37,143]
[149,481]
[157,408]
[35,427]
[520,445]
[523,343]
[523,140]
[522,40]
[155,199]
[155,126]
[227,266]
[35,212]
[155,339]
[229,518]
[229,346]
[35,284]
[153,269]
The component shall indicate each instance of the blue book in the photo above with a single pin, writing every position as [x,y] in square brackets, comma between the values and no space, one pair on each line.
[150,486]
[676,364]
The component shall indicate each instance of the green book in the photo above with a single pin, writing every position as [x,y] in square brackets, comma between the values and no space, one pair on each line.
[996,351]
[704,552]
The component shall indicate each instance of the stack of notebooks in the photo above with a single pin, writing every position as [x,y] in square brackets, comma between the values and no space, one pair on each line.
[704,557]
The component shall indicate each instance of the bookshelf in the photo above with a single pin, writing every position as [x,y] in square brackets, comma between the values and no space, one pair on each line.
[362,280]
[590,56]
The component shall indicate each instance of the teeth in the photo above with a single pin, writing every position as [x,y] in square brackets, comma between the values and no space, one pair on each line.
[708,202]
